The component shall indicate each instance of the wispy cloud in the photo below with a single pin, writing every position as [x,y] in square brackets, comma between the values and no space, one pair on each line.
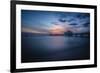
[29,30]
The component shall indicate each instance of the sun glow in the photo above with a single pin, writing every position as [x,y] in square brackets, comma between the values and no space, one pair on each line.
[57,29]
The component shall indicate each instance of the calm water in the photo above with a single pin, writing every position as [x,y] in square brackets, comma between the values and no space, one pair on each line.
[54,48]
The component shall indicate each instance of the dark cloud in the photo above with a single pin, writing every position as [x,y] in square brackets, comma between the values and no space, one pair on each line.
[82,16]
[62,20]
[86,24]
[72,19]
[73,24]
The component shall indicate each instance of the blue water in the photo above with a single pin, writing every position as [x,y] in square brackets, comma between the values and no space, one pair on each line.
[54,48]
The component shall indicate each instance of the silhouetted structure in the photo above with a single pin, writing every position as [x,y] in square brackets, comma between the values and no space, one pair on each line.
[68,33]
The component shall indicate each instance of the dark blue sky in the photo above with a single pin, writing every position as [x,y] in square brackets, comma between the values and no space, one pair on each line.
[42,21]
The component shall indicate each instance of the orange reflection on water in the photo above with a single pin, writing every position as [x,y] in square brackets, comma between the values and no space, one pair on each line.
[56,42]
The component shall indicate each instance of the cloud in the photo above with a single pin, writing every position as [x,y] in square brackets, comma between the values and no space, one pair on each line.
[62,20]
[82,15]
[73,24]
[86,24]
[29,30]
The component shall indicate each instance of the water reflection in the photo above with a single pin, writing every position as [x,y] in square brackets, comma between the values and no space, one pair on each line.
[54,48]
[55,43]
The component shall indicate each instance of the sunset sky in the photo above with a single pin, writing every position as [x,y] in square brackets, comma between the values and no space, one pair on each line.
[46,22]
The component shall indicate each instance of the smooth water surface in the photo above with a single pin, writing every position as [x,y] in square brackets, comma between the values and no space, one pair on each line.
[54,48]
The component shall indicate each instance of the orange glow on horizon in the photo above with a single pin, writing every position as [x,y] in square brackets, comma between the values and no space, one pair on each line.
[57,29]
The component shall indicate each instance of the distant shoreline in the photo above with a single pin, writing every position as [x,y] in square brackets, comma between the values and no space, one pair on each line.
[69,35]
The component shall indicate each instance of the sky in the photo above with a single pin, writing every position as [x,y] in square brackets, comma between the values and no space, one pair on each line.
[33,21]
